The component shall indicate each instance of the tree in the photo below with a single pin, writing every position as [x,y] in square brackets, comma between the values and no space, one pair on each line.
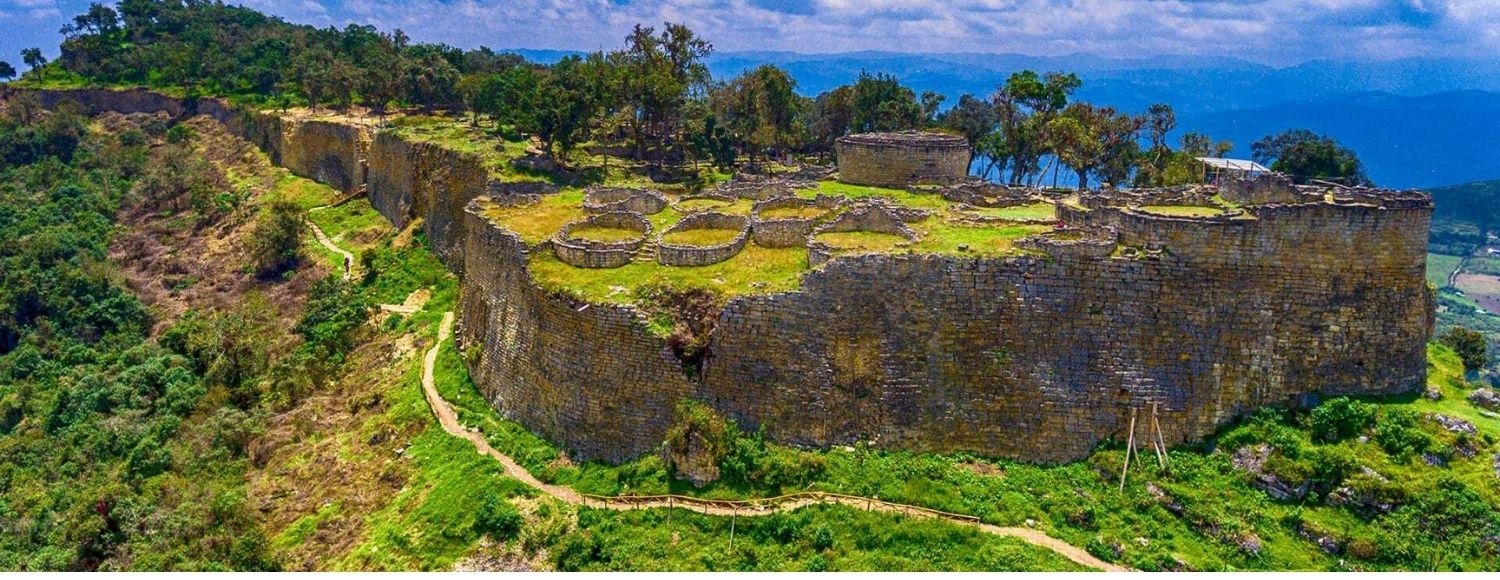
[1470,345]
[276,241]
[7,71]
[882,103]
[972,117]
[760,108]
[832,114]
[660,72]
[1025,106]
[33,59]
[1305,155]
[1094,140]
[568,98]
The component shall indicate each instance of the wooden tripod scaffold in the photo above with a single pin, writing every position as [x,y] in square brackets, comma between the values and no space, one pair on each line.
[1158,443]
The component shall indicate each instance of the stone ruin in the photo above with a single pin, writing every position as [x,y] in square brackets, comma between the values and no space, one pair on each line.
[586,253]
[898,160]
[669,254]
[1038,357]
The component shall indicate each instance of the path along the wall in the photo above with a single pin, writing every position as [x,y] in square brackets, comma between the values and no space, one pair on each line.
[748,508]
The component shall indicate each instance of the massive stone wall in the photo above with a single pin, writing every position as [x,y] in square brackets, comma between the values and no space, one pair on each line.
[422,180]
[588,376]
[901,159]
[1036,357]
[1042,358]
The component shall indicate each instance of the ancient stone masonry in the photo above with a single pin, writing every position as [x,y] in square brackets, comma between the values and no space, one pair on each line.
[671,254]
[1038,356]
[788,232]
[867,217]
[902,159]
[585,253]
[609,199]
[589,376]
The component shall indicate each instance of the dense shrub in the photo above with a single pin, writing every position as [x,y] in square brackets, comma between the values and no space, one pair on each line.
[1340,418]
[276,242]
[497,518]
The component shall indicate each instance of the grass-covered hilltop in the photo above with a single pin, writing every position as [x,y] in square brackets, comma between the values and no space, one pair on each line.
[208,362]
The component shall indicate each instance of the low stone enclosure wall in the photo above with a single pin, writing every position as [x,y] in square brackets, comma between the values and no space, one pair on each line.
[901,159]
[585,253]
[688,255]
[610,199]
[981,194]
[863,218]
[788,232]
[1033,357]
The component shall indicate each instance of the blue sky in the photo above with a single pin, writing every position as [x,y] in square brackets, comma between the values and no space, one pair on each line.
[1268,31]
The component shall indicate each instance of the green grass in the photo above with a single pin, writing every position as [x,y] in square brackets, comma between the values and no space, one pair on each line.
[1183,210]
[916,200]
[459,135]
[755,270]
[834,538]
[538,223]
[862,241]
[940,237]
[703,204]
[1037,211]
[801,212]
[1439,266]
[604,234]
[701,237]
[306,193]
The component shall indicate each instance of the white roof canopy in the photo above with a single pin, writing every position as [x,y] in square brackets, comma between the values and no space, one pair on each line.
[1233,164]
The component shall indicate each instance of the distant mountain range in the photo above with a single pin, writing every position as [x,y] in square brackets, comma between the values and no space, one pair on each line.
[1414,122]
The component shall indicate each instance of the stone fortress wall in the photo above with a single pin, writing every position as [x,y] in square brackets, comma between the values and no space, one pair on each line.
[901,159]
[1036,357]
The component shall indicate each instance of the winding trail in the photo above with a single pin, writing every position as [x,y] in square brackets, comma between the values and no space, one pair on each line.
[756,507]
[328,243]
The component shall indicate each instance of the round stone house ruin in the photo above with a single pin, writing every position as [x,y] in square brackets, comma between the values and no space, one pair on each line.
[670,254]
[901,159]
[585,253]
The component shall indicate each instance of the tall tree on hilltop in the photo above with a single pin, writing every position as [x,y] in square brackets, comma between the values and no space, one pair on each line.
[1160,119]
[33,59]
[7,72]
[1305,155]
[760,108]
[1026,105]
[661,72]
[1095,140]
[830,116]
[569,99]
[882,103]
[972,117]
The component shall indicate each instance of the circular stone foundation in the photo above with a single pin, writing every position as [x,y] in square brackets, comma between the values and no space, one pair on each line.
[611,199]
[688,254]
[573,247]
[784,222]
[902,159]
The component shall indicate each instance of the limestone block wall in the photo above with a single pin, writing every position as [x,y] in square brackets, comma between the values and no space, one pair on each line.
[686,255]
[592,379]
[900,159]
[583,253]
[1030,357]
[415,179]
[1043,358]
[787,232]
